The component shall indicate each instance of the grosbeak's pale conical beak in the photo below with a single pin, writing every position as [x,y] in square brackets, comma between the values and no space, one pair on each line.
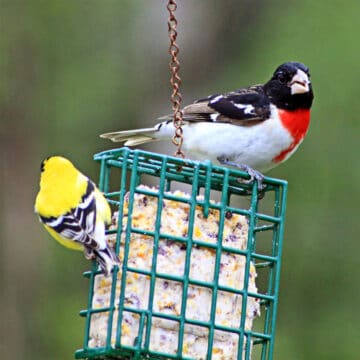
[300,83]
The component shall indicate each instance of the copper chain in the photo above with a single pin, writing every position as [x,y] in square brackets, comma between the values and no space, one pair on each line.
[175,79]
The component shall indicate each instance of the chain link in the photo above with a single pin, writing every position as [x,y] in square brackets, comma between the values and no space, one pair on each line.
[175,79]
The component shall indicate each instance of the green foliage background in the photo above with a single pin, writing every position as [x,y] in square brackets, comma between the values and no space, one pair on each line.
[70,70]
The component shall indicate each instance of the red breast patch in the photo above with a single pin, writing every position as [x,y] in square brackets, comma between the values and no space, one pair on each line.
[297,123]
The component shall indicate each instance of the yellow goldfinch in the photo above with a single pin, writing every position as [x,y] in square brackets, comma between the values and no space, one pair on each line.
[74,211]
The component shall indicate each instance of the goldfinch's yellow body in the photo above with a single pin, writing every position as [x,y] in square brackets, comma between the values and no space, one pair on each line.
[74,211]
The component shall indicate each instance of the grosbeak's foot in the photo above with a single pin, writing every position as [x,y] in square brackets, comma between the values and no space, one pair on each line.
[254,174]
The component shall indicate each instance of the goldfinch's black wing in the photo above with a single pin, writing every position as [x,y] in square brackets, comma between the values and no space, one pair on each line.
[243,107]
[79,223]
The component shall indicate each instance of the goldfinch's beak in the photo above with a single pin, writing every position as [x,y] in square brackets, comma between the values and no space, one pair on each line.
[300,82]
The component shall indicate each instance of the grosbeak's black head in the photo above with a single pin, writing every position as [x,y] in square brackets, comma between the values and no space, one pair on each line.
[290,87]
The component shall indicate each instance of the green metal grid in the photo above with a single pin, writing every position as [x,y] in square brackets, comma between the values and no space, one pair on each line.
[130,168]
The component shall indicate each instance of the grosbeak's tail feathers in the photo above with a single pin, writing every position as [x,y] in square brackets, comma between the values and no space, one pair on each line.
[132,137]
[259,126]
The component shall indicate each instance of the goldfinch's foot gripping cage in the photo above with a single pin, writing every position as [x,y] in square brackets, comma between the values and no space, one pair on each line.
[200,262]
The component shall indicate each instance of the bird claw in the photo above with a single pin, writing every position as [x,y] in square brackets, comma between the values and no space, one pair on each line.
[254,174]
[89,253]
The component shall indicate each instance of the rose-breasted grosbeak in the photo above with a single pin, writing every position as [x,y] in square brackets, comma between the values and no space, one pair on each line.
[257,127]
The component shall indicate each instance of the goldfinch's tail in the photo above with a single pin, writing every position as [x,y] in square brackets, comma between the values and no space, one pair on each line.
[107,259]
[133,137]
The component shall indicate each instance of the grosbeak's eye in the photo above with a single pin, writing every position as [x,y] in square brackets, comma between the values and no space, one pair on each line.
[282,77]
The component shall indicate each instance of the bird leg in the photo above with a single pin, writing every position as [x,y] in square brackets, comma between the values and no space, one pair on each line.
[254,174]
[89,253]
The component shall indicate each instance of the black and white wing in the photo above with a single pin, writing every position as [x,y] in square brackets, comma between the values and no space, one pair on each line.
[79,223]
[243,107]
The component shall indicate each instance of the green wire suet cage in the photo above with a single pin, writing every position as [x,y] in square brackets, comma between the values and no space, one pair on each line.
[122,175]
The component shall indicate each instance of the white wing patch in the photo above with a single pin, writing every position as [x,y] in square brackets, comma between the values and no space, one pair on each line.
[87,201]
[54,222]
[214,117]
[248,108]
[216,99]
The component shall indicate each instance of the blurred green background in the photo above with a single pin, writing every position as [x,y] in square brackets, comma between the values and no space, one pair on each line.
[70,70]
